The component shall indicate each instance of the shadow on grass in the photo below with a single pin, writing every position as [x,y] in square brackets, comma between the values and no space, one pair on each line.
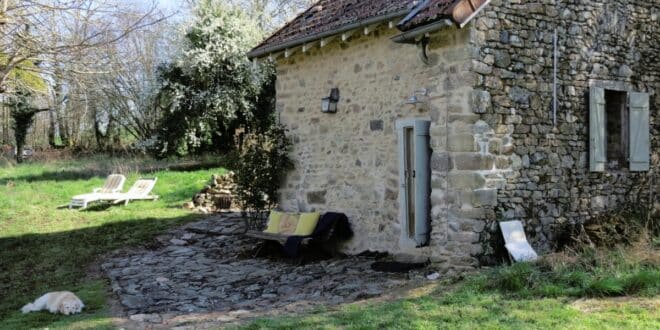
[33,264]
[92,172]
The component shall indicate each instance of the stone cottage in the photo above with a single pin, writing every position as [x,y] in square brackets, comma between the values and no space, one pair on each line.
[426,122]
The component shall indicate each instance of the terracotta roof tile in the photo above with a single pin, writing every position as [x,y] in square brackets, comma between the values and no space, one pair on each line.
[329,15]
[430,11]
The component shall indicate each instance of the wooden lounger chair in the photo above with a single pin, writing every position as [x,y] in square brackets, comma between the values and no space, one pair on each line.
[113,184]
[516,242]
[141,190]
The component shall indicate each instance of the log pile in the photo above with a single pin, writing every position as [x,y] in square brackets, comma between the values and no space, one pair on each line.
[216,196]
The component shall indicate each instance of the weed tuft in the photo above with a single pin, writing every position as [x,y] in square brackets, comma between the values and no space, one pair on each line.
[645,282]
[605,287]
[515,278]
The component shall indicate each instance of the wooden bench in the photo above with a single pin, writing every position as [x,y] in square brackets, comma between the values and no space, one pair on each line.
[335,229]
[256,225]
[280,238]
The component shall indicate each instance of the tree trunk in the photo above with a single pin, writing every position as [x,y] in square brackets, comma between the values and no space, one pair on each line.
[114,133]
[21,124]
[52,129]
[19,151]
[100,138]
[60,108]
[4,121]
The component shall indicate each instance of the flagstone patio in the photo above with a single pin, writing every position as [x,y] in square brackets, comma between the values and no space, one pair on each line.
[208,266]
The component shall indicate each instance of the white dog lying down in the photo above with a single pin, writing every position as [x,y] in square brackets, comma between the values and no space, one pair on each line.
[64,302]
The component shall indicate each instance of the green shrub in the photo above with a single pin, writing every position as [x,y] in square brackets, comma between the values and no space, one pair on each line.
[643,282]
[260,170]
[577,279]
[632,270]
[552,290]
[604,287]
[515,278]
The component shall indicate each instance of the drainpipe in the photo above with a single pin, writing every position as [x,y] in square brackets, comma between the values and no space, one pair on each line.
[419,36]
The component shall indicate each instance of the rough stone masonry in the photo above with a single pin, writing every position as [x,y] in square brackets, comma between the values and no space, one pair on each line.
[496,153]
[611,44]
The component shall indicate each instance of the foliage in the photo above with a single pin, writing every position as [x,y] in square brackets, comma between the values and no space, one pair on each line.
[23,76]
[22,114]
[271,14]
[123,100]
[213,91]
[67,42]
[43,248]
[261,168]
[590,273]
[521,296]
[626,225]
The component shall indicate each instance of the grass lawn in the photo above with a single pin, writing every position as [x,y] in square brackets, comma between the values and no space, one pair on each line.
[615,289]
[43,248]
[467,307]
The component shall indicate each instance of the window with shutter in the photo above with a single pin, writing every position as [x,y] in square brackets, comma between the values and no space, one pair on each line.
[597,149]
[616,129]
[639,131]
[619,130]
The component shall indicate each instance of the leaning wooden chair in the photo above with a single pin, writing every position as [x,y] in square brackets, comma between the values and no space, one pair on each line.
[141,190]
[113,184]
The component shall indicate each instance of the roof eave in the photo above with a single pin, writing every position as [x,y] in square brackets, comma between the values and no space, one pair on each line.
[412,36]
[463,11]
[261,52]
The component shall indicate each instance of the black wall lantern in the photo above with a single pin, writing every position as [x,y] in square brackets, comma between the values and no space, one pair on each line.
[329,104]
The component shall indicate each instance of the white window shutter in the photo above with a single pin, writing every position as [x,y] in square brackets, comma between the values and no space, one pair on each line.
[640,148]
[597,147]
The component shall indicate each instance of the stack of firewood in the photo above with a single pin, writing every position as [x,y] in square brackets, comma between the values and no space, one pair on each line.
[216,196]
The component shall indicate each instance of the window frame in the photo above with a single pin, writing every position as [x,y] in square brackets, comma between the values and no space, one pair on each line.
[598,160]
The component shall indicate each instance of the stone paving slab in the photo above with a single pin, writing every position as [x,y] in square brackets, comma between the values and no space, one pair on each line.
[205,267]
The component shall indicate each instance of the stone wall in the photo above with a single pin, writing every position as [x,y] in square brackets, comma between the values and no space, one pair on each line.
[348,161]
[496,153]
[613,44]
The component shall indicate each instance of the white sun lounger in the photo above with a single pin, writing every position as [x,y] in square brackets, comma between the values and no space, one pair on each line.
[113,184]
[141,190]
[516,241]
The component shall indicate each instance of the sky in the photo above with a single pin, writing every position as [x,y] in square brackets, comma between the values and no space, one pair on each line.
[170,5]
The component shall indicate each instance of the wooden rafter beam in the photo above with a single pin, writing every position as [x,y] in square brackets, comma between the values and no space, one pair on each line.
[347,35]
[308,46]
[326,41]
[370,28]
[290,51]
[275,56]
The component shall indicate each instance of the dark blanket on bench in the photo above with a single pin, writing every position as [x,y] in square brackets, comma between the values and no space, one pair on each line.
[331,226]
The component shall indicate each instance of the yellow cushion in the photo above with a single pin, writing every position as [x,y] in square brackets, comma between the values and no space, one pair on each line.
[288,223]
[273,222]
[307,223]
